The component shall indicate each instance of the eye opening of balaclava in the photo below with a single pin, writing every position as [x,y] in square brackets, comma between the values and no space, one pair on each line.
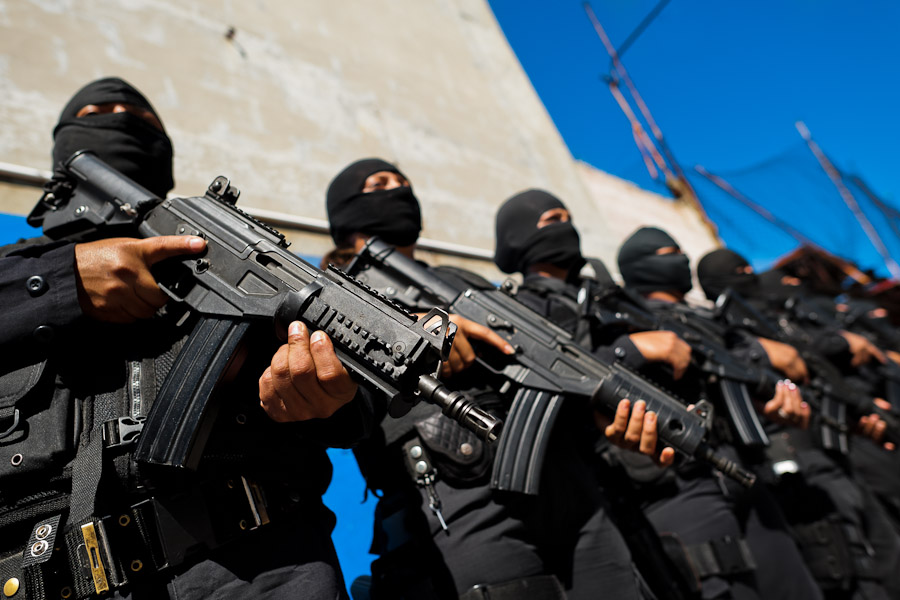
[521,244]
[393,215]
[645,271]
[720,270]
[771,286]
[123,140]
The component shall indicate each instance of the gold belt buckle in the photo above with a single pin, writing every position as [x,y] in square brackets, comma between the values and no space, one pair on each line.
[92,545]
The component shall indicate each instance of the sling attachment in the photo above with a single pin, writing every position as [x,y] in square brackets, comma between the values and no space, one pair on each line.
[420,466]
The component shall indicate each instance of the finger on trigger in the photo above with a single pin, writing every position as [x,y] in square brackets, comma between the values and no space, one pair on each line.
[482,333]
[162,247]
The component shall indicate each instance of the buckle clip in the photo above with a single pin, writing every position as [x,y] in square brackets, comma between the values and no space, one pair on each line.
[121,432]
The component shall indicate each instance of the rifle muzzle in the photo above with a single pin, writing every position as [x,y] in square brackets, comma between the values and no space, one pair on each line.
[729,468]
[459,407]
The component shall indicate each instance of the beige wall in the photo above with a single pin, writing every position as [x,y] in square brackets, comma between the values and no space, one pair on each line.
[305,87]
[624,207]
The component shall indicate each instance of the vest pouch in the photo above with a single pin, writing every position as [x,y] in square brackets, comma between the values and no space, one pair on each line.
[37,422]
[460,458]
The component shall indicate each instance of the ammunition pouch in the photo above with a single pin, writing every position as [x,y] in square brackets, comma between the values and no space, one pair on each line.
[681,562]
[459,456]
[37,423]
[825,546]
[724,557]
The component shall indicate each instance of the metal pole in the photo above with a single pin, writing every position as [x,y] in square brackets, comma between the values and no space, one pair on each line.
[850,201]
[37,178]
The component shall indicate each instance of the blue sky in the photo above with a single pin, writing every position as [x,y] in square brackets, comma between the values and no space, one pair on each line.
[725,80]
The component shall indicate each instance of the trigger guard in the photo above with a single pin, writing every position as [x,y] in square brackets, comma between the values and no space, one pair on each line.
[169,293]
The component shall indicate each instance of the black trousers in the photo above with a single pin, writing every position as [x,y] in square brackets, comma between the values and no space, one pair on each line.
[700,512]
[494,537]
[493,541]
[708,507]
[875,545]
[879,470]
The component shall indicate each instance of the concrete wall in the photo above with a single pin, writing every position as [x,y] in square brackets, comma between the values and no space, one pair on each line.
[304,88]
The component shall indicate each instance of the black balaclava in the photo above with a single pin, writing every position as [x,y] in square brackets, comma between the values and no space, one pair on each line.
[721,269]
[393,215]
[771,287]
[646,271]
[125,141]
[520,244]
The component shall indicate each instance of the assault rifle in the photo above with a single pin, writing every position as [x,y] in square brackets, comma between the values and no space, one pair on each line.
[886,336]
[825,378]
[858,318]
[247,275]
[547,367]
[730,382]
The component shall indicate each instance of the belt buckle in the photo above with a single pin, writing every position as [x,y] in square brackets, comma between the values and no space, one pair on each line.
[121,432]
[92,545]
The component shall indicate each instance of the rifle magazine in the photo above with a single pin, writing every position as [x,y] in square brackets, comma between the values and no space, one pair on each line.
[523,443]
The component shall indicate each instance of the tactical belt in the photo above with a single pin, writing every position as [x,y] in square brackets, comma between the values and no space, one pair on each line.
[132,545]
[725,556]
[540,587]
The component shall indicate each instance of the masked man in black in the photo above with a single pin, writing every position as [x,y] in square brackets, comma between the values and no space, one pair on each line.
[89,340]
[557,544]
[535,237]
[652,263]
[833,483]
